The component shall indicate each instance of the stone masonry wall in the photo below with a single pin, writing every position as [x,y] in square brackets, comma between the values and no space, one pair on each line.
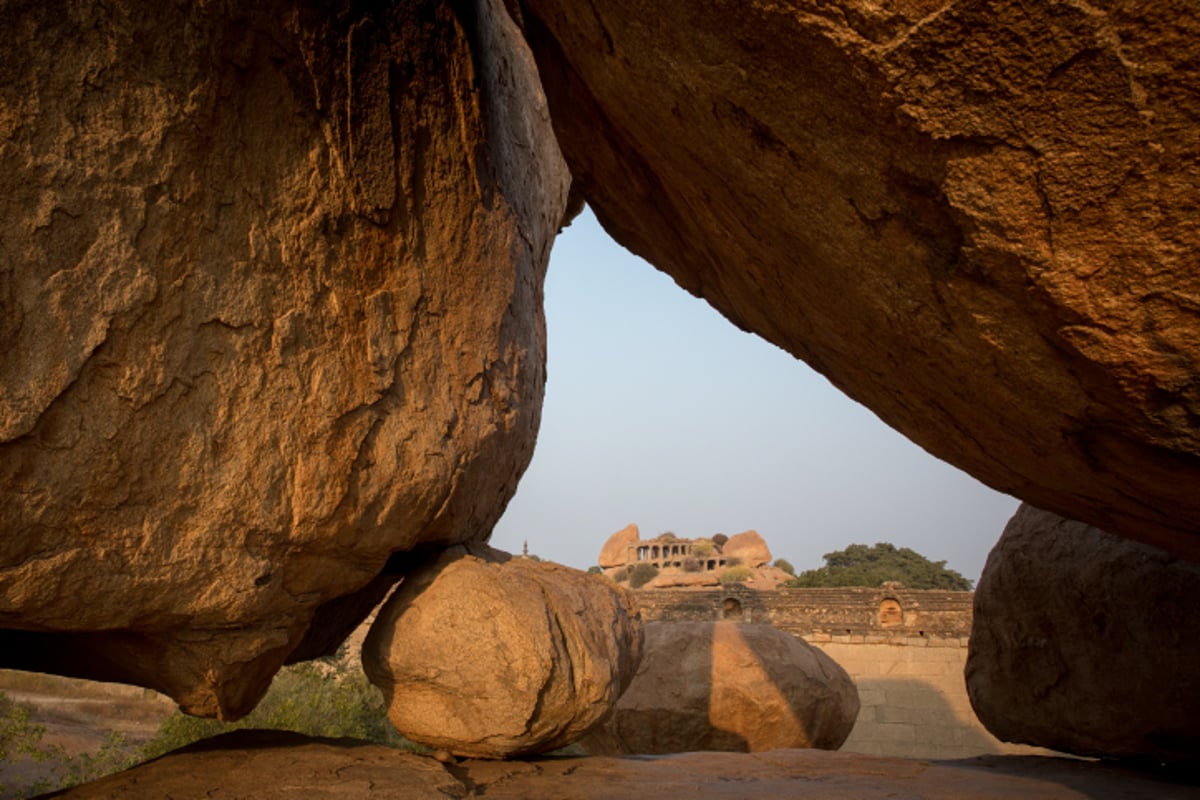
[904,648]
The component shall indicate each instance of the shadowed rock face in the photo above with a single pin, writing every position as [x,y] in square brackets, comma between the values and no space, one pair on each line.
[728,686]
[270,310]
[1086,643]
[975,218]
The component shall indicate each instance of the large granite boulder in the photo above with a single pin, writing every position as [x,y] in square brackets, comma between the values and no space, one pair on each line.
[977,219]
[615,552]
[749,547]
[493,658]
[1086,643]
[270,310]
[728,686]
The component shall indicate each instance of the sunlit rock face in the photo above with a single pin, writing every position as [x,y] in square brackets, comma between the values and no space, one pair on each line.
[728,686]
[270,310]
[1085,642]
[976,219]
[490,656]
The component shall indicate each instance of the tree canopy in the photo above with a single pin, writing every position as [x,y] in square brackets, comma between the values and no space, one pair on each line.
[860,565]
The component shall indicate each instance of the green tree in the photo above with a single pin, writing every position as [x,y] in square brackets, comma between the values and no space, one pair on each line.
[785,565]
[860,565]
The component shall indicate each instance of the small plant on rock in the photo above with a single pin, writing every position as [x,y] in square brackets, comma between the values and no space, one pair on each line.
[691,564]
[736,574]
[641,574]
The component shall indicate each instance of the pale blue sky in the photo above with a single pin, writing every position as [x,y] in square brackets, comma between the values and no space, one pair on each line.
[660,412]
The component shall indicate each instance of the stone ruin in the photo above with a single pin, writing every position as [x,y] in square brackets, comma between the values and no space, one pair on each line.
[626,548]
[271,285]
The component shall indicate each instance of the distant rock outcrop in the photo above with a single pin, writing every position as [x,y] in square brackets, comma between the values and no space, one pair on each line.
[977,219]
[728,686]
[749,548]
[270,311]
[1086,643]
[498,658]
[615,550]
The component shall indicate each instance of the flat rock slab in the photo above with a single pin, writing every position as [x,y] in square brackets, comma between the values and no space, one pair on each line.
[273,764]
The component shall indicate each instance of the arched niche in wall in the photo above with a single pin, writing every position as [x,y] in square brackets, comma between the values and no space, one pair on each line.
[890,613]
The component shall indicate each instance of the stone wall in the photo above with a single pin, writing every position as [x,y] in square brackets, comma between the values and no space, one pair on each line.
[905,649]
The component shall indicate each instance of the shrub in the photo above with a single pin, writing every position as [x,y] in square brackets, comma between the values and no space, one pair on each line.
[641,574]
[733,561]
[786,566]
[621,575]
[302,698]
[20,737]
[18,734]
[595,570]
[703,550]
[691,564]
[735,574]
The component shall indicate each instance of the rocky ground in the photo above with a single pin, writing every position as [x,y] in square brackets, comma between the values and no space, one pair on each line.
[270,765]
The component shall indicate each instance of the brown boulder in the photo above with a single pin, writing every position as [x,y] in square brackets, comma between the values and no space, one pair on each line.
[615,550]
[977,219]
[728,686]
[502,659]
[1085,642]
[270,311]
[749,547]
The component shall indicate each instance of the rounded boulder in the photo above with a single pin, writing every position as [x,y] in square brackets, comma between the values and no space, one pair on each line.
[493,659]
[1085,642]
[728,686]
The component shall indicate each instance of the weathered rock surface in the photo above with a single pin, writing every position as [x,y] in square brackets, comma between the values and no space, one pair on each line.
[614,554]
[675,579]
[1086,643]
[748,546]
[502,659]
[270,310]
[275,765]
[977,219]
[727,686]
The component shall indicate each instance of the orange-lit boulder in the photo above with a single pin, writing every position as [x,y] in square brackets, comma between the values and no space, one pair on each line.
[977,219]
[270,311]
